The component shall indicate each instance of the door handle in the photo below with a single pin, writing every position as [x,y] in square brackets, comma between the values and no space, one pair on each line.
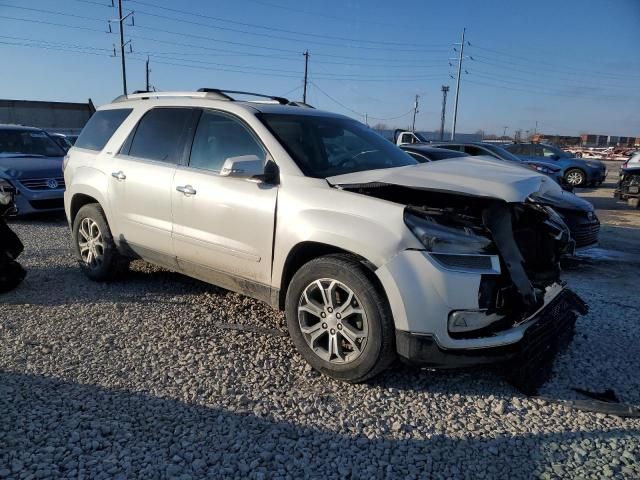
[186,189]
[119,175]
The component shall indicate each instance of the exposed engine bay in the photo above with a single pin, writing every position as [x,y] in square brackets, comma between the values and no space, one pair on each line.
[528,239]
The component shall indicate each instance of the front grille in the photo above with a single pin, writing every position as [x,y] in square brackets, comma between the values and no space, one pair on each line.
[43,183]
[586,234]
[57,203]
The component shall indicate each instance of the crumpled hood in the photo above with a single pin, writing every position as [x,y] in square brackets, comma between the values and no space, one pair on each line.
[478,176]
[30,167]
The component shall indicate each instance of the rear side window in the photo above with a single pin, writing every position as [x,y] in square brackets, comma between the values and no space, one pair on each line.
[473,150]
[100,127]
[161,134]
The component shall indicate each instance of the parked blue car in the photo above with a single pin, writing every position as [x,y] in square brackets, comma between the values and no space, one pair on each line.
[575,171]
[31,168]
[496,151]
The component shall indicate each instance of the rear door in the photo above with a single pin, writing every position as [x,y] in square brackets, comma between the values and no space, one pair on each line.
[223,227]
[141,179]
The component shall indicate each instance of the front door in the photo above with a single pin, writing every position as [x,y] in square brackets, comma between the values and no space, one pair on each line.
[223,227]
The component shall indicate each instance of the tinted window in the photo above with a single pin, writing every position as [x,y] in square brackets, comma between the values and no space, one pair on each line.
[98,130]
[161,134]
[219,137]
[501,153]
[457,148]
[442,153]
[474,151]
[536,151]
[407,138]
[28,142]
[419,157]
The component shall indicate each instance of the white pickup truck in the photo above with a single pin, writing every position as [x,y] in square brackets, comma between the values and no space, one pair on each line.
[404,137]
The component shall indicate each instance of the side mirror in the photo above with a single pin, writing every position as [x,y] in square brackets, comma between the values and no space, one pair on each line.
[244,166]
[250,167]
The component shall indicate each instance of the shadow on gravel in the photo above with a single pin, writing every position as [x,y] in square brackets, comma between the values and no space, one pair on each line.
[141,287]
[73,430]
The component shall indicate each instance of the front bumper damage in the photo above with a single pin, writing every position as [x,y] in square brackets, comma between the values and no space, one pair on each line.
[527,361]
[520,312]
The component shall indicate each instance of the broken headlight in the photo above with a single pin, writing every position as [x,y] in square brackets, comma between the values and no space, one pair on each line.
[439,238]
[456,248]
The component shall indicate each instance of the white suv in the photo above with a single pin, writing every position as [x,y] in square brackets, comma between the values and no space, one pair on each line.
[372,255]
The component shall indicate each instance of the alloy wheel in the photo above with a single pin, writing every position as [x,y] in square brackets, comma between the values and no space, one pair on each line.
[333,321]
[574,178]
[91,243]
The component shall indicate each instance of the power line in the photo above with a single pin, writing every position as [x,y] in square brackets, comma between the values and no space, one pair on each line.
[363,115]
[543,62]
[274,29]
[52,12]
[43,22]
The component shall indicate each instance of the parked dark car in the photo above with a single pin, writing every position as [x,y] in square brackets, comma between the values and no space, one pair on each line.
[31,166]
[629,181]
[576,171]
[496,151]
[425,153]
[578,214]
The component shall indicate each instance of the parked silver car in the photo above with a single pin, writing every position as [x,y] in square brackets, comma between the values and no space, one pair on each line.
[371,254]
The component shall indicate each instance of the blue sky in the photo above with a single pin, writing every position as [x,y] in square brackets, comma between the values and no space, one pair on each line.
[573,66]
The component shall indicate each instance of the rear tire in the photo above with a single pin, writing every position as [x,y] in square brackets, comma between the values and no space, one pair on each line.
[339,320]
[575,177]
[93,243]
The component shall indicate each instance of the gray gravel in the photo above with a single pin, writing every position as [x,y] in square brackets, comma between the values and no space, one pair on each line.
[160,376]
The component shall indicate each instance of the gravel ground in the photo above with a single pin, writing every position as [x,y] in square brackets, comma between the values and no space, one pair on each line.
[160,376]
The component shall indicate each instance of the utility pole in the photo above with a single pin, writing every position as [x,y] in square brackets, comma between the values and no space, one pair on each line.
[366,119]
[415,111]
[504,133]
[535,130]
[445,89]
[147,76]
[124,65]
[306,69]
[455,108]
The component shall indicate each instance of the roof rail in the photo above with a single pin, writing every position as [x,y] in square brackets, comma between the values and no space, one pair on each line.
[280,100]
[147,95]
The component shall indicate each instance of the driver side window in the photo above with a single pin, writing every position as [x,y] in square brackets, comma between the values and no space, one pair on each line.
[548,152]
[219,137]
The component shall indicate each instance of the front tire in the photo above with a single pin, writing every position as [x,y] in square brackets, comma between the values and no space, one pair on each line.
[575,177]
[93,243]
[339,320]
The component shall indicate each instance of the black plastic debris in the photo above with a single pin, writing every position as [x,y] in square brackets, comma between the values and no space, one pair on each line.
[11,272]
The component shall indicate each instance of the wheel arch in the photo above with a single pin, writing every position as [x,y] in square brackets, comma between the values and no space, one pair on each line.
[78,201]
[306,251]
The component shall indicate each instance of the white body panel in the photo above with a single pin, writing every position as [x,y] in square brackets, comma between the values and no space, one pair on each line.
[247,229]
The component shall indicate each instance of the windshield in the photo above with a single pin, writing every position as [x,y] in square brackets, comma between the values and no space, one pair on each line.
[327,146]
[420,137]
[503,153]
[550,150]
[28,142]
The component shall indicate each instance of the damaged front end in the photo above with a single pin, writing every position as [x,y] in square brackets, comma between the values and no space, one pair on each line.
[515,248]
